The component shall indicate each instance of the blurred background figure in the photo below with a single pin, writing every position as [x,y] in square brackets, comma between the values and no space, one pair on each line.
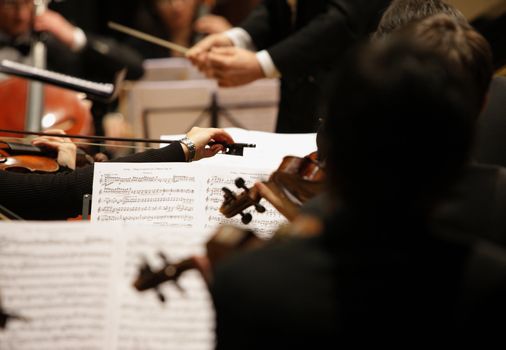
[180,21]
[299,42]
[71,50]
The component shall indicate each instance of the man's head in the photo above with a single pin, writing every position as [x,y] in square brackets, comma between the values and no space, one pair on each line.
[403,12]
[465,49]
[441,27]
[16,17]
[400,126]
[176,15]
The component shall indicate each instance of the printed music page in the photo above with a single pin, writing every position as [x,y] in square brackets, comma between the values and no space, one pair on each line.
[177,195]
[73,282]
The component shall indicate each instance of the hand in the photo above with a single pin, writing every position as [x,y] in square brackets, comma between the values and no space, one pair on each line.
[198,54]
[115,125]
[232,66]
[202,136]
[211,24]
[56,24]
[275,197]
[67,150]
[203,265]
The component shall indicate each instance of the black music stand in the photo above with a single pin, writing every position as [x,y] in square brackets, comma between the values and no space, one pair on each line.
[214,111]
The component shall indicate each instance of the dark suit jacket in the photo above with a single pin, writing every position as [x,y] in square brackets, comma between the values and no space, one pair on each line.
[476,205]
[306,51]
[350,286]
[491,140]
[99,60]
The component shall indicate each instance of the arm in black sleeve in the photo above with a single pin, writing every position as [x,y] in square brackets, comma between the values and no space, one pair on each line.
[109,56]
[59,196]
[323,39]
[263,25]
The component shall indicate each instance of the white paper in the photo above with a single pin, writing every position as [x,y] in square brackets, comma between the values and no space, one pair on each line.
[177,195]
[74,282]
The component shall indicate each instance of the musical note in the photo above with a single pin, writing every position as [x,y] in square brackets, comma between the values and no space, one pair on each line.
[73,282]
[167,195]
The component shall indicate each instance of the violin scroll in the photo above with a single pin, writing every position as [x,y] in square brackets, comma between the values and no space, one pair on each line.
[294,182]
[227,240]
[236,204]
[149,279]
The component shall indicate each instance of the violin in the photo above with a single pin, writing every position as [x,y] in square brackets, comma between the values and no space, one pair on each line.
[27,158]
[294,182]
[227,240]
[24,158]
[6,317]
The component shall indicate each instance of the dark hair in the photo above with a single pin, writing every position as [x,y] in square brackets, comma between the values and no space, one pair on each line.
[465,48]
[400,126]
[402,12]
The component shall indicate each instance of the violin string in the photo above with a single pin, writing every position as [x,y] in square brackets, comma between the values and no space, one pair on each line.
[86,137]
[106,145]
[79,143]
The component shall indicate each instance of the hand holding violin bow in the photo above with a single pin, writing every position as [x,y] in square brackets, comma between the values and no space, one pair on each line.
[65,148]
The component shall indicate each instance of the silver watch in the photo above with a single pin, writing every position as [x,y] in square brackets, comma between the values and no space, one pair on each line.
[191,147]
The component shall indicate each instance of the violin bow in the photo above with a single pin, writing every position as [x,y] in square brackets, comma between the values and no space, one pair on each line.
[230,148]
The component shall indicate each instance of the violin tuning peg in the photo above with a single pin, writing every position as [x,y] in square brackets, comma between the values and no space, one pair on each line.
[178,286]
[227,193]
[160,295]
[259,208]
[246,218]
[145,268]
[240,183]
[163,257]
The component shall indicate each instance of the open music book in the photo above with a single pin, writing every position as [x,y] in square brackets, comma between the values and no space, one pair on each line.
[73,282]
[190,194]
[92,89]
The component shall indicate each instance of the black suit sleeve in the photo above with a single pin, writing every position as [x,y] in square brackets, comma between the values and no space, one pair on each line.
[59,196]
[321,40]
[99,60]
[261,24]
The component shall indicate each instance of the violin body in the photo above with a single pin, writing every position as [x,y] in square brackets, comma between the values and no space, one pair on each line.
[23,158]
[63,109]
[294,182]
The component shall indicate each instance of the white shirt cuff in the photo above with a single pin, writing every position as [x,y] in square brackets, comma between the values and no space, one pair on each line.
[240,38]
[268,66]
[80,40]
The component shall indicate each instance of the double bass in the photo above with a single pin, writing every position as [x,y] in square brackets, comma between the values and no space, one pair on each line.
[33,106]
[62,108]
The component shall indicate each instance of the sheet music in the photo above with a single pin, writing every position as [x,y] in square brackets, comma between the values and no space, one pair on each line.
[74,281]
[178,195]
[60,279]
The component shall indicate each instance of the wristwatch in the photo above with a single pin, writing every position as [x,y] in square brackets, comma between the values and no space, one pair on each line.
[191,147]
